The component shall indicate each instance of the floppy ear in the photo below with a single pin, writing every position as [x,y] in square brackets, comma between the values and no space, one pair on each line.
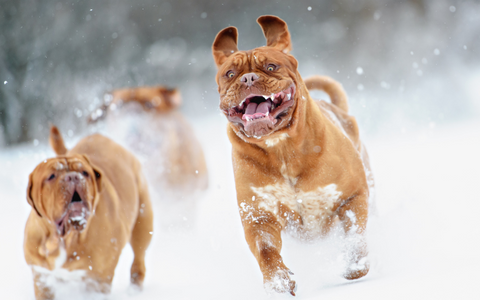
[225,44]
[98,178]
[29,194]
[97,172]
[172,96]
[276,33]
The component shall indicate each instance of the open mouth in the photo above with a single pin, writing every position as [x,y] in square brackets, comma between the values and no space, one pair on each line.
[75,216]
[260,113]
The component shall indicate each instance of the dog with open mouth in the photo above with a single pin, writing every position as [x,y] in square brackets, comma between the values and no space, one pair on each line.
[87,203]
[299,164]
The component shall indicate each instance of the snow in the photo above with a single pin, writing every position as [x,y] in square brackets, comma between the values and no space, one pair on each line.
[423,240]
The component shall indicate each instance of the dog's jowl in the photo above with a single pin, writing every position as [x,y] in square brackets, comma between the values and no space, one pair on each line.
[299,164]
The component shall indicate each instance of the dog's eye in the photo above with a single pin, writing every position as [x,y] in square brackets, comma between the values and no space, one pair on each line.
[51,177]
[271,67]
[85,173]
[230,74]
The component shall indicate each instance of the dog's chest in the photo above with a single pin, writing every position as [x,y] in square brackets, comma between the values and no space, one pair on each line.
[59,273]
[314,204]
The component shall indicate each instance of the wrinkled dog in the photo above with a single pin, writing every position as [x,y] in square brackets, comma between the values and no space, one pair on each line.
[299,164]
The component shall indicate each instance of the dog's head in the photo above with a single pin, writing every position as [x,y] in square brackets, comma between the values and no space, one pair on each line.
[260,88]
[64,190]
[156,98]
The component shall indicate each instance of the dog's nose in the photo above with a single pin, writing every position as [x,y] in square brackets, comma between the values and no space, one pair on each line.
[249,78]
[72,177]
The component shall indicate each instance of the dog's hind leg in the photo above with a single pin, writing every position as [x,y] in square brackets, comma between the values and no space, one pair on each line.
[354,215]
[141,235]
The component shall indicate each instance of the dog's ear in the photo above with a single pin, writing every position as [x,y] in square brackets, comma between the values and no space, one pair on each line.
[172,97]
[98,174]
[225,44]
[276,33]
[29,194]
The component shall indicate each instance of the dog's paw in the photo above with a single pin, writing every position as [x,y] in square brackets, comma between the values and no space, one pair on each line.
[136,279]
[136,284]
[281,283]
[357,269]
[134,289]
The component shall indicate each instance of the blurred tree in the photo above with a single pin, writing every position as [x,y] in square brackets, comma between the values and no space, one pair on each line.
[57,58]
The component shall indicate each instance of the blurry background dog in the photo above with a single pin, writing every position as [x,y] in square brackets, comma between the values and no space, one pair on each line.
[87,203]
[146,121]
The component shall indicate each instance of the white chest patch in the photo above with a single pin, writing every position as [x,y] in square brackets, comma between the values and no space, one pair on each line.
[313,206]
[50,277]
[62,257]
[273,141]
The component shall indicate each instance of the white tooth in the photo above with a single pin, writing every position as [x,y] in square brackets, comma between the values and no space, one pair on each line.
[289,96]
[266,97]
[272,96]
[267,113]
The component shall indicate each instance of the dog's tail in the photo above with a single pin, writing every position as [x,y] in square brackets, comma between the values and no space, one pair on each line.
[333,88]
[56,141]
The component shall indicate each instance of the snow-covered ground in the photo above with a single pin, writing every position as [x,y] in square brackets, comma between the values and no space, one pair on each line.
[424,240]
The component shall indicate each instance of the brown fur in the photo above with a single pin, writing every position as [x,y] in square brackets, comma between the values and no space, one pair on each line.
[56,141]
[313,147]
[157,98]
[182,156]
[117,198]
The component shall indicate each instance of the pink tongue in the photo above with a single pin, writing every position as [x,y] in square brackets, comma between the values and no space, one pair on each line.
[76,214]
[251,108]
[264,107]
[75,209]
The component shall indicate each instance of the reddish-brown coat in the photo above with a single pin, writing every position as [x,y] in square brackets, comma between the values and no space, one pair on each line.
[120,212]
[317,145]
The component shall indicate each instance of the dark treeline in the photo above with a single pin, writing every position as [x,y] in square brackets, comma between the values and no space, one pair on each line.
[57,58]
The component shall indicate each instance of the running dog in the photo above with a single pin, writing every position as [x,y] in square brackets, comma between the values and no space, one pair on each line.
[87,203]
[299,164]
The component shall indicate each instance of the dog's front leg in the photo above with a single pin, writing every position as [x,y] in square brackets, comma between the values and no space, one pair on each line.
[42,291]
[263,235]
[260,223]
[354,216]
[36,248]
